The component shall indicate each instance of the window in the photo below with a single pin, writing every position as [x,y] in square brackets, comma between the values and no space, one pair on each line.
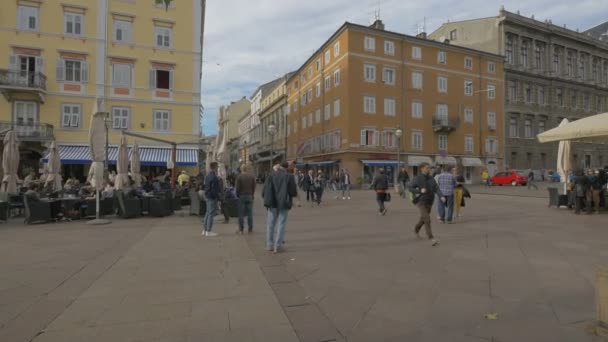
[161,79]
[27,18]
[573,99]
[513,127]
[468,87]
[389,107]
[120,117]
[327,57]
[570,64]
[509,50]
[417,109]
[417,140]
[491,145]
[491,91]
[370,44]
[336,78]
[336,49]
[581,68]
[72,71]
[161,4]
[304,122]
[556,60]
[468,115]
[453,35]
[442,84]
[442,113]
[442,142]
[512,91]
[492,67]
[541,95]
[492,120]
[123,31]
[318,89]
[388,76]
[327,112]
[441,57]
[587,102]
[310,72]
[369,104]
[468,63]
[309,120]
[73,23]
[318,64]
[295,106]
[369,72]
[541,126]
[295,126]
[539,51]
[336,107]
[287,109]
[70,115]
[318,116]
[162,120]
[163,36]
[417,80]
[559,97]
[416,52]
[594,72]
[528,128]
[309,96]
[389,48]
[527,93]
[468,143]
[388,139]
[303,99]
[327,83]
[524,54]
[369,137]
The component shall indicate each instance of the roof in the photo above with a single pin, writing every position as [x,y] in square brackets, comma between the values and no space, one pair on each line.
[272,84]
[599,32]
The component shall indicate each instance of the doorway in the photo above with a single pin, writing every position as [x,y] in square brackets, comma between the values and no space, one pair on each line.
[468,174]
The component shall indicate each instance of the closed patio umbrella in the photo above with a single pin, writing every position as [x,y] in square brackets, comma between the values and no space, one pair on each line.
[564,163]
[54,168]
[10,162]
[136,165]
[122,165]
[97,148]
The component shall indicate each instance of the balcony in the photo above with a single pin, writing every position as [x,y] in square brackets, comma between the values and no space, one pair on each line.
[29,132]
[445,125]
[21,85]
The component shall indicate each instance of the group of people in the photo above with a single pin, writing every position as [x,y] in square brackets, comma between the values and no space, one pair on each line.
[587,190]
[315,185]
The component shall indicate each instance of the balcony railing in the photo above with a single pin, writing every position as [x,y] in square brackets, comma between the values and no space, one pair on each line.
[443,124]
[22,79]
[29,131]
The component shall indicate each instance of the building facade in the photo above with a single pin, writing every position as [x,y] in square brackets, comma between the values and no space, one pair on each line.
[551,73]
[347,102]
[134,58]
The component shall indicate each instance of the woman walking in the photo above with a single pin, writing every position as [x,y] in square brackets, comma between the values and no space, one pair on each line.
[380,185]
[459,191]
[319,186]
[309,186]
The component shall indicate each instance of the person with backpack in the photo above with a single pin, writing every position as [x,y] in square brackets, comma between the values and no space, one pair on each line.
[279,190]
[380,186]
[424,188]
[212,194]
[581,186]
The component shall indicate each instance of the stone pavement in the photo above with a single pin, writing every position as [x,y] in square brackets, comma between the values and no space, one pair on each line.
[348,274]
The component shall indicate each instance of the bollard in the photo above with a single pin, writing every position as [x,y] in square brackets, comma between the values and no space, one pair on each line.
[602,301]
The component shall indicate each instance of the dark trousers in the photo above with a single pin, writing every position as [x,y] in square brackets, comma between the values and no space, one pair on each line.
[224,208]
[246,209]
[310,194]
[381,198]
[319,194]
[425,219]
[579,204]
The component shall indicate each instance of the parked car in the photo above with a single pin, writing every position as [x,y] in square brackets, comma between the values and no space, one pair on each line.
[511,177]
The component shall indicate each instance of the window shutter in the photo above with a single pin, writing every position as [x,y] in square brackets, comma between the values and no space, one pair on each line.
[75,120]
[171,80]
[40,64]
[12,61]
[84,72]
[153,79]
[115,120]
[22,21]
[363,136]
[65,115]
[60,70]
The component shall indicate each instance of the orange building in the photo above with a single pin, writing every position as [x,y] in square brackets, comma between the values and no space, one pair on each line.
[350,99]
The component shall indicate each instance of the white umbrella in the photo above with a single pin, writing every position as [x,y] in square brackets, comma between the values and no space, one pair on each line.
[593,127]
[563,157]
[54,168]
[10,162]
[136,165]
[122,165]
[97,148]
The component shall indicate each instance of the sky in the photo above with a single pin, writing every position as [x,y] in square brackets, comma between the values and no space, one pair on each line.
[250,42]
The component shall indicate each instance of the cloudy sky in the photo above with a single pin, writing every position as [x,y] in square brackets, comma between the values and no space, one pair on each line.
[250,42]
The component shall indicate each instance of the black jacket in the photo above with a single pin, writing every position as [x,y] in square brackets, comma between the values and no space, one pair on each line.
[380,182]
[279,190]
[403,177]
[420,182]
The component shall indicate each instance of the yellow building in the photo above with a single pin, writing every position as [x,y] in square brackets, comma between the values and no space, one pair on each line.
[349,99]
[140,61]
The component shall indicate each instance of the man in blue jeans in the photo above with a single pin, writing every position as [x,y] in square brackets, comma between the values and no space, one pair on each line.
[212,194]
[245,189]
[446,182]
[279,191]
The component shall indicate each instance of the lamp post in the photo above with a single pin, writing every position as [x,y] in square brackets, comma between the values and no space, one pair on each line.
[398,134]
[272,130]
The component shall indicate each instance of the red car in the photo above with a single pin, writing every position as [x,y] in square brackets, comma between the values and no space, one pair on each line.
[506,178]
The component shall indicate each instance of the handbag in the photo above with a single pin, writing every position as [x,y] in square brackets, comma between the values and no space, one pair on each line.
[387,197]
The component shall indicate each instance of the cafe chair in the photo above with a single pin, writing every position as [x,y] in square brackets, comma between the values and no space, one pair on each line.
[128,207]
[36,211]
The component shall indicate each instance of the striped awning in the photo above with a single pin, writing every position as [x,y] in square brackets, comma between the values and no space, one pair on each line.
[150,156]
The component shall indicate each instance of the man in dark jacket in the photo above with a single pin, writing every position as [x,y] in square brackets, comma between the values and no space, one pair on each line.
[212,194]
[380,186]
[581,186]
[424,189]
[245,189]
[402,179]
[279,190]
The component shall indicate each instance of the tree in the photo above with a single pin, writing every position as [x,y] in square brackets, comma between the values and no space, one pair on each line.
[164,2]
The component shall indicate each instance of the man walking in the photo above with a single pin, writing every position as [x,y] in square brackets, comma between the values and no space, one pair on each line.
[380,185]
[212,195]
[345,182]
[402,179]
[245,190]
[446,182]
[531,182]
[424,189]
[279,191]
[309,186]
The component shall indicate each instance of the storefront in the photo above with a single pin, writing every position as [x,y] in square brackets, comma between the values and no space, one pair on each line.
[414,163]
[472,168]
[372,167]
[329,167]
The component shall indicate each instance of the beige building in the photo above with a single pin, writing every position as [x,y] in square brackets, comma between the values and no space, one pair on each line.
[347,102]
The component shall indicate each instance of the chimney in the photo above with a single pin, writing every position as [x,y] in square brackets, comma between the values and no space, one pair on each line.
[421,35]
[378,25]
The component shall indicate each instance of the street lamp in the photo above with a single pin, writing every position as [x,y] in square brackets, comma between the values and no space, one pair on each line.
[272,130]
[398,134]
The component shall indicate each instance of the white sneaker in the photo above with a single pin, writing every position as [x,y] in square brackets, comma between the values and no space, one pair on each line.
[204,233]
[343,198]
[211,234]
[349,198]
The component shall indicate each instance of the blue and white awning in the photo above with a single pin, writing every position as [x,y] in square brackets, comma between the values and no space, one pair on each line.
[149,156]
